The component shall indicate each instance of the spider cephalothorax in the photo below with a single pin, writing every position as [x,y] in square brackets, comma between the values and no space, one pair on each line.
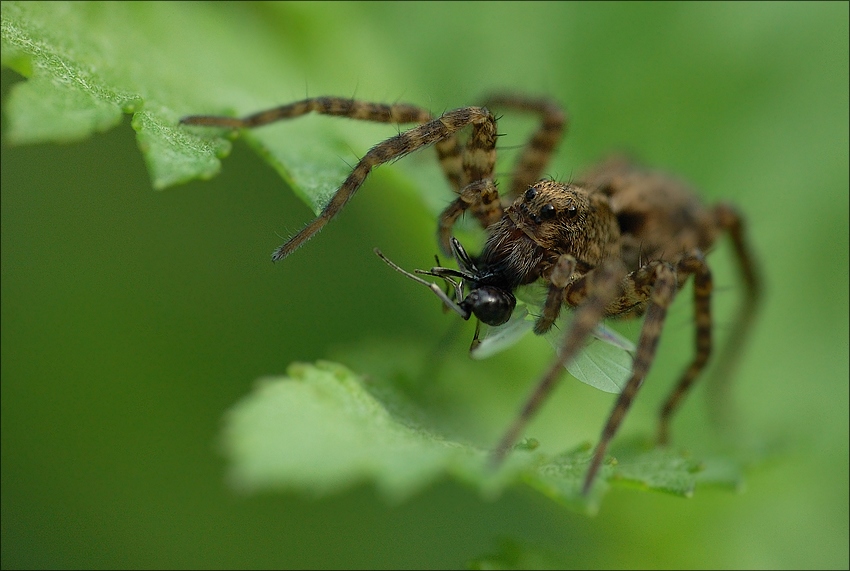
[618,242]
[548,220]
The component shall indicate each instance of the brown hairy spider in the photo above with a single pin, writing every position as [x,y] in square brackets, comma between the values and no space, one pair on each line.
[620,243]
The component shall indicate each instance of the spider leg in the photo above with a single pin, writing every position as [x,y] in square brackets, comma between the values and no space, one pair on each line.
[396,147]
[693,263]
[482,197]
[596,289]
[732,222]
[335,106]
[558,280]
[449,151]
[540,147]
[478,192]
[662,293]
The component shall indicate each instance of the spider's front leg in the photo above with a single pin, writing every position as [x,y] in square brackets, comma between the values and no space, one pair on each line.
[541,146]
[480,195]
[396,147]
[460,166]
[559,279]
[482,198]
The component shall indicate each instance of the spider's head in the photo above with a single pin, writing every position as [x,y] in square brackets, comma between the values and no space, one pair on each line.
[548,204]
[566,218]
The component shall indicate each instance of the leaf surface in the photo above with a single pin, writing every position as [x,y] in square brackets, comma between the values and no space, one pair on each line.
[88,64]
[322,429]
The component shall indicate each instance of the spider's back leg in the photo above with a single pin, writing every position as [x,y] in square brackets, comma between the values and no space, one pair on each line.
[729,219]
[592,295]
[693,263]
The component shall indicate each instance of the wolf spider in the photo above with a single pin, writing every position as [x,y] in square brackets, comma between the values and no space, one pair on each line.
[619,243]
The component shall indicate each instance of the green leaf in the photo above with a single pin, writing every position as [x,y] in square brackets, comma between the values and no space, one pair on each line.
[322,429]
[89,63]
[512,554]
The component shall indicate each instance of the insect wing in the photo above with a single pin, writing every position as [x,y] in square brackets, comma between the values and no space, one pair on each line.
[611,337]
[604,363]
[497,339]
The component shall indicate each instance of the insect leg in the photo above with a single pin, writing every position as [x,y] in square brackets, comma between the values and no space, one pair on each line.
[444,297]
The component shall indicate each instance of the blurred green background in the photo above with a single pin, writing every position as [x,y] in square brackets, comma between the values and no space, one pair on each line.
[133,319]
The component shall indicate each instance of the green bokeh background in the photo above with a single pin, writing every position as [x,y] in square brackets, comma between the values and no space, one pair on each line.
[133,319]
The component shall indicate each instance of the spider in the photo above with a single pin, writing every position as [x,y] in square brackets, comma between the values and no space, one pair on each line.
[618,243]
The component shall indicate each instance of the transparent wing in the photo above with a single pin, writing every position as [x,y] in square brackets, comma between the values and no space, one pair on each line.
[497,339]
[605,362]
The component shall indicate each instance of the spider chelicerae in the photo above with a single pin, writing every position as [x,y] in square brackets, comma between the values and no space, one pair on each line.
[617,243]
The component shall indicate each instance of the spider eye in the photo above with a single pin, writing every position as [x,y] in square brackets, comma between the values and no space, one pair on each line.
[530,193]
[571,212]
[547,212]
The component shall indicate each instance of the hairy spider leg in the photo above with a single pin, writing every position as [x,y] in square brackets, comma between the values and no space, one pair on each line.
[479,193]
[448,150]
[558,281]
[543,142]
[662,294]
[592,294]
[458,165]
[482,197]
[664,284]
[395,147]
[693,263]
[731,221]
[596,295]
